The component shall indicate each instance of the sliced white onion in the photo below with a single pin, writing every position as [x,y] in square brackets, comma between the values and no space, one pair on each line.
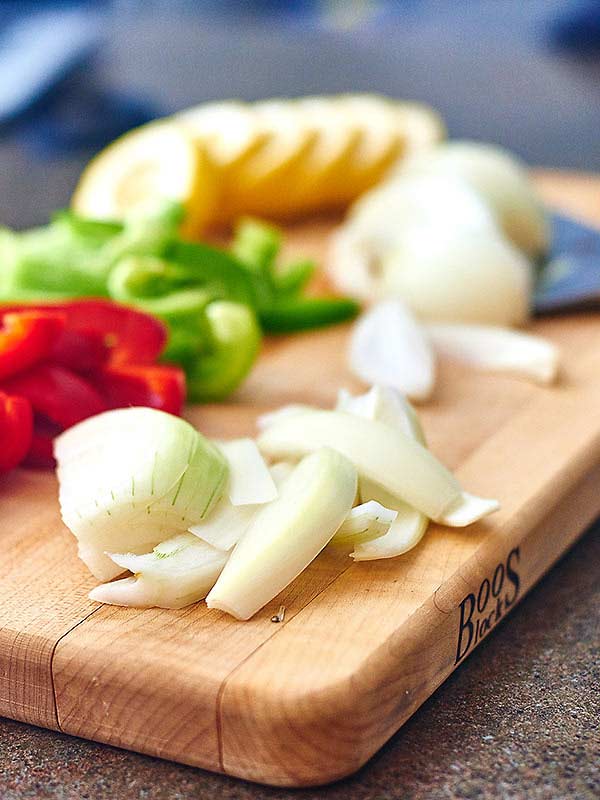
[264,420]
[432,240]
[287,534]
[130,478]
[386,405]
[250,481]
[388,347]
[225,525]
[497,349]
[383,454]
[501,181]
[409,526]
[468,509]
[365,522]
[405,532]
[179,571]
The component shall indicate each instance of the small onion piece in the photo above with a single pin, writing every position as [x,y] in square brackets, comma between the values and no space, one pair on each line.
[385,405]
[409,526]
[179,571]
[287,534]
[388,346]
[495,349]
[249,479]
[226,524]
[367,521]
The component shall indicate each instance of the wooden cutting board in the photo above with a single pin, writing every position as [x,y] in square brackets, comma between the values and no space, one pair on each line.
[309,700]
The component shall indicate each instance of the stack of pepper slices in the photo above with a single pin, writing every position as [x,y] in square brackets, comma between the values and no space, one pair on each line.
[61,363]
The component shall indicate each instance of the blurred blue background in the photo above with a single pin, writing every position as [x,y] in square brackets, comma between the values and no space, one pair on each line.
[73,75]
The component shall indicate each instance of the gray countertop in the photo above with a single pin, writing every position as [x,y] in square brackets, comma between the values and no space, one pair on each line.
[519,719]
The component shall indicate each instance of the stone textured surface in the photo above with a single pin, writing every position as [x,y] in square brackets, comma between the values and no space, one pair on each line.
[519,719]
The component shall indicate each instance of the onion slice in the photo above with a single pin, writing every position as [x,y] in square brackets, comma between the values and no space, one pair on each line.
[249,479]
[226,524]
[365,522]
[287,534]
[388,346]
[179,571]
[497,349]
[386,456]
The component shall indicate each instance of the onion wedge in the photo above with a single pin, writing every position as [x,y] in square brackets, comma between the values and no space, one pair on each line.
[226,524]
[130,478]
[386,456]
[388,346]
[250,481]
[409,525]
[179,571]
[496,349]
[367,521]
[287,534]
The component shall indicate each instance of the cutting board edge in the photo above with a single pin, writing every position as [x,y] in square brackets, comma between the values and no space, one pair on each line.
[375,732]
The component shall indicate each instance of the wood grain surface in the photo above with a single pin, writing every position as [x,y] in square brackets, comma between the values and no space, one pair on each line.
[362,645]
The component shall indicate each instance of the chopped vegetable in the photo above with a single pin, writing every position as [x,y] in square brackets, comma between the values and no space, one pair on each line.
[386,405]
[158,386]
[431,241]
[233,344]
[73,360]
[501,180]
[497,350]
[179,571]
[386,456]
[56,393]
[225,525]
[389,347]
[367,521]
[131,477]
[304,313]
[287,534]
[212,302]
[26,337]
[250,482]
[409,526]
[16,428]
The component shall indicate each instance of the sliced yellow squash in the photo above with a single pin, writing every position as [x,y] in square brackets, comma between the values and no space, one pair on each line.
[259,184]
[421,126]
[316,179]
[229,130]
[381,143]
[158,160]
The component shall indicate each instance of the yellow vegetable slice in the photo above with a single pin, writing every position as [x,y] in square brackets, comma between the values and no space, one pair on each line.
[422,127]
[381,142]
[317,177]
[259,184]
[160,160]
[229,130]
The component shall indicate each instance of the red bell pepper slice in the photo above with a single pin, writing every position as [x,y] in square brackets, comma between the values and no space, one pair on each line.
[158,386]
[16,426]
[81,351]
[59,394]
[133,336]
[26,337]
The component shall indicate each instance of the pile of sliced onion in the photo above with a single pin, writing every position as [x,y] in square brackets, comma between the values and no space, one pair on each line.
[191,518]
